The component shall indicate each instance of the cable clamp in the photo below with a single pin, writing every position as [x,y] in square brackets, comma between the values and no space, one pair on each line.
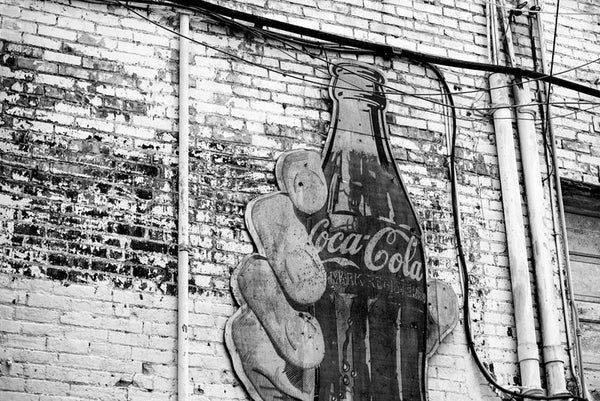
[527,108]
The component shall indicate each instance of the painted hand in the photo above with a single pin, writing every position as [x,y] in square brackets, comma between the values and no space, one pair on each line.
[275,346]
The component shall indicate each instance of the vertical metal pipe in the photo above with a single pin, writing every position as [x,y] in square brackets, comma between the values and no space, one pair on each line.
[183,213]
[544,272]
[561,211]
[527,349]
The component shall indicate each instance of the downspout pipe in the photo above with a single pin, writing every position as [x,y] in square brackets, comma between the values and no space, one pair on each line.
[561,212]
[183,213]
[527,349]
[544,272]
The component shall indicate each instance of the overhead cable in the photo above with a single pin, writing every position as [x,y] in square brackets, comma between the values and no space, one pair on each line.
[383,50]
[320,84]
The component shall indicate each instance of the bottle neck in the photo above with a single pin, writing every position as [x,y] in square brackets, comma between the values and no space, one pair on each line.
[359,127]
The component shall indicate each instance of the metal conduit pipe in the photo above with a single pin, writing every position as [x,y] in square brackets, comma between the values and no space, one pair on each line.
[544,272]
[558,247]
[561,212]
[527,350]
[183,213]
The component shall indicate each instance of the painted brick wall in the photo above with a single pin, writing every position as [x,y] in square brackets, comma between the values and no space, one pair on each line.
[88,179]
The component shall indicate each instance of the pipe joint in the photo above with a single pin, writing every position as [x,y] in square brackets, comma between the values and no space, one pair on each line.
[184,248]
[552,353]
[527,352]
[536,392]
[532,391]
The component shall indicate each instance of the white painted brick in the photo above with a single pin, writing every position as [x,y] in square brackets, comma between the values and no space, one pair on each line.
[38,16]
[78,24]
[46,387]
[157,39]
[6,312]
[11,11]
[112,31]
[269,98]
[98,393]
[134,48]
[138,24]
[18,26]
[16,384]
[14,396]
[35,40]
[55,32]
[62,58]
[161,357]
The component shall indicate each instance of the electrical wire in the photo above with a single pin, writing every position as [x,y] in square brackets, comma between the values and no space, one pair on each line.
[383,50]
[534,10]
[282,38]
[320,84]
[455,201]
[462,262]
[295,75]
[392,91]
[553,53]
[547,105]
[305,42]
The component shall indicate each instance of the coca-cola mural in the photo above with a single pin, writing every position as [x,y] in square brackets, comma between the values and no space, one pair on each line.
[334,303]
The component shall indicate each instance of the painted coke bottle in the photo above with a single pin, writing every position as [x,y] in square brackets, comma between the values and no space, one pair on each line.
[373,312]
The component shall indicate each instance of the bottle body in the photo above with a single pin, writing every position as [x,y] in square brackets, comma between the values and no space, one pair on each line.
[373,311]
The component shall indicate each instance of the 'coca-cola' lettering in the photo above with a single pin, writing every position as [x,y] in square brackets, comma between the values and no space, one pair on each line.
[376,247]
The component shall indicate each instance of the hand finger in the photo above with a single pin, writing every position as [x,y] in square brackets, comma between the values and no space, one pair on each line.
[283,240]
[295,335]
[299,174]
[259,367]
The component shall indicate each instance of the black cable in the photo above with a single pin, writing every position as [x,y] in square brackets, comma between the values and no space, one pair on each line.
[385,51]
[546,132]
[455,208]
[544,121]
[393,91]
[282,38]
[463,262]
[291,73]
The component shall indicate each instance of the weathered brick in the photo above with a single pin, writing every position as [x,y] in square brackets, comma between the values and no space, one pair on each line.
[37,16]
[16,396]
[62,58]
[55,32]
[16,384]
[90,117]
